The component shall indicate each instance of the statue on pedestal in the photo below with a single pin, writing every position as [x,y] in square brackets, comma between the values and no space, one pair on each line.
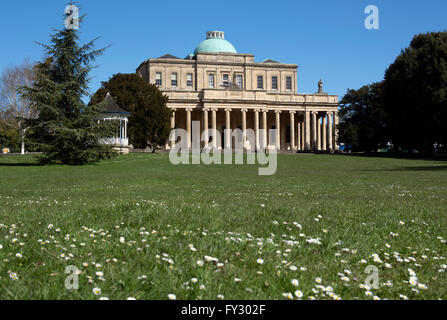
[320,87]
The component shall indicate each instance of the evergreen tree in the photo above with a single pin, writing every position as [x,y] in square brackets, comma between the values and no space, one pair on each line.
[363,119]
[415,94]
[65,129]
[149,123]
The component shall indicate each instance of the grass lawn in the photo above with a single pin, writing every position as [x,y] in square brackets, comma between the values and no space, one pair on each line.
[137,226]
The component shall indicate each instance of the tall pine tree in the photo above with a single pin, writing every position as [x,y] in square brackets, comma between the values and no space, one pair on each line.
[66,130]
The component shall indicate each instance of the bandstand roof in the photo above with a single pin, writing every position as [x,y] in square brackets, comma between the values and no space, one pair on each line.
[109,106]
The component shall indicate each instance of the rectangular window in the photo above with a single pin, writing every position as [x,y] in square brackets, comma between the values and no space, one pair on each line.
[189,80]
[226,78]
[239,81]
[289,83]
[274,83]
[260,82]
[211,80]
[158,80]
[174,80]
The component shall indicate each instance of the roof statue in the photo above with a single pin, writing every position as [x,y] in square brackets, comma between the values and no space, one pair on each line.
[320,88]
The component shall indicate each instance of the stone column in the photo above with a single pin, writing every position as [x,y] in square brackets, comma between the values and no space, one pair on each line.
[264,127]
[329,131]
[307,131]
[324,135]
[278,129]
[214,124]
[227,127]
[303,136]
[314,130]
[256,112]
[318,133]
[336,122]
[292,130]
[173,127]
[244,127]
[298,135]
[205,126]
[188,126]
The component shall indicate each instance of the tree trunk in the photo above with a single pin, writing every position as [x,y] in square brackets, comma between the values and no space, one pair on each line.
[23,142]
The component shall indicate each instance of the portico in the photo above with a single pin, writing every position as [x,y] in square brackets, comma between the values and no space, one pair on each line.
[289,125]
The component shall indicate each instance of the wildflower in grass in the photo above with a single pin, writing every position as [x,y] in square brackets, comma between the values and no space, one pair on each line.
[122,240]
[298,294]
[194,280]
[422,286]
[96,291]
[387,265]
[99,274]
[293,268]
[13,276]
[412,273]
[329,289]
[202,287]
[318,280]
[237,280]
[221,297]
[287,295]
[1,247]
[403,297]
[210,259]
[103,298]
[413,281]
[50,226]
[18,255]
[131,298]
[200,263]
[172,296]
[260,261]
[295,282]
[376,298]
[368,293]
[345,279]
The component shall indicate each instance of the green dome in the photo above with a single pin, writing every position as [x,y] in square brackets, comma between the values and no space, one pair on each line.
[215,42]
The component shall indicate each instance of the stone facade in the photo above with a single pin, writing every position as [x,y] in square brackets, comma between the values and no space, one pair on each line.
[227,89]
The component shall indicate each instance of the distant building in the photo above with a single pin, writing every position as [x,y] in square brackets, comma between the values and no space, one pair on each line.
[225,89]
[111,111]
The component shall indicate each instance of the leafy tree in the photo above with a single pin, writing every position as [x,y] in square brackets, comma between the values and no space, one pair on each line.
[15,106]
[149,123]
[9,135]
[363,119]
[66,130]
[415,94]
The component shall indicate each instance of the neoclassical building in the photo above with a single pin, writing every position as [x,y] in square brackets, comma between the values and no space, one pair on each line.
[225,89]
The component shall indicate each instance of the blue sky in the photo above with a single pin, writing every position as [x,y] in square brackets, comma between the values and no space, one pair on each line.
[326,38]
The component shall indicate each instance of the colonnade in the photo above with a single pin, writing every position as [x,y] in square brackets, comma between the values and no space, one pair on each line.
[310,130]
